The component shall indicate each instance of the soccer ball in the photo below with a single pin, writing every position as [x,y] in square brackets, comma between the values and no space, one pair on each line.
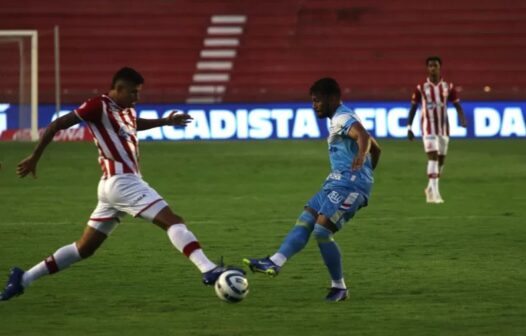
[232,286]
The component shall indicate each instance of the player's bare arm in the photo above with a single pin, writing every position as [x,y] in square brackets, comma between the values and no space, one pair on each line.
[375,151]
[174,119]
[461,116]
[410,118]
[363,139]
[29,164]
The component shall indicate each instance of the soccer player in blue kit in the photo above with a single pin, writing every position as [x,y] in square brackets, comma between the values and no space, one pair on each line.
[353,155]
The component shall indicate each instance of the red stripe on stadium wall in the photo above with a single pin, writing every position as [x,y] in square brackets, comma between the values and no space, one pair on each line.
[190,248]
[51,264]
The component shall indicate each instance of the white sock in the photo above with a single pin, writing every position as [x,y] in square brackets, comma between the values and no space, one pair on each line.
[278,259]
[34,273]
[432,173]
[61,259]
[338,284]
[437,191]
[440,169]
[200,260]
[186,243]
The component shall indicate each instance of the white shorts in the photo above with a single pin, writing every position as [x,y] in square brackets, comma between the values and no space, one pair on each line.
[436,143]
[121,194]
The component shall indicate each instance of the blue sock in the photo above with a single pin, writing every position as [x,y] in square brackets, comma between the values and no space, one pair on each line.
[298,236]
[329,251]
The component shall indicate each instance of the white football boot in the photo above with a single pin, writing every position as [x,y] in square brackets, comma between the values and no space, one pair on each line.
[438,198]
[430,195]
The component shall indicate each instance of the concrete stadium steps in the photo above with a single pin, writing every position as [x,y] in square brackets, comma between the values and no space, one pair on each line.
[375,48]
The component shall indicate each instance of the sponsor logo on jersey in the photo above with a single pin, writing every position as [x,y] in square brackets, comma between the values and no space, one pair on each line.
[335,197]
[334,176]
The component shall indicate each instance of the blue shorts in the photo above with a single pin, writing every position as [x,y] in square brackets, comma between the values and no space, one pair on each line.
[338,204]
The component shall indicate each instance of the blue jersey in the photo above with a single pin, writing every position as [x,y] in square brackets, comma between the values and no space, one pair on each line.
[342,151]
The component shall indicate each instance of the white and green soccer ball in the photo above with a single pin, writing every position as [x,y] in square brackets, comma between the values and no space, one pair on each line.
[232,286]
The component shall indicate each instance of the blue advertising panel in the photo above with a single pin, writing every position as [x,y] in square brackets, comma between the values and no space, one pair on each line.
[298,121]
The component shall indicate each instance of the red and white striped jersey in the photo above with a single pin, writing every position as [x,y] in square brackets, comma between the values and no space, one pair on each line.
[434,99]
[114,130]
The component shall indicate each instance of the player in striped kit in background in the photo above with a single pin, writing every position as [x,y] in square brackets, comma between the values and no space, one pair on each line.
[113,122]
[433,95]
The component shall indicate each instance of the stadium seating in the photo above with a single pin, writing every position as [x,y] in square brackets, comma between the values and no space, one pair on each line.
[376,49]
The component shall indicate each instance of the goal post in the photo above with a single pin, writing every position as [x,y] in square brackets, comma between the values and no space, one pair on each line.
[26,120]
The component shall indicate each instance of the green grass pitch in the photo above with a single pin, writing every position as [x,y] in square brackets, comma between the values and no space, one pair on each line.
[413,268]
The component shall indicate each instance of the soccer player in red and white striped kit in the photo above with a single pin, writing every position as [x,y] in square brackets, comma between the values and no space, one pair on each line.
[433,95]
[113,122]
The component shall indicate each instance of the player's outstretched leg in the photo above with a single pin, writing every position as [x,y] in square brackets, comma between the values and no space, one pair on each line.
[293,243]
[58,261]
[332,258]
[210,277]
[263,265]
[13,286]
[186,242]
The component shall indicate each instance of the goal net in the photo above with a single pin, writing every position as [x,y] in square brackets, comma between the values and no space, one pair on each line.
[19,84]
